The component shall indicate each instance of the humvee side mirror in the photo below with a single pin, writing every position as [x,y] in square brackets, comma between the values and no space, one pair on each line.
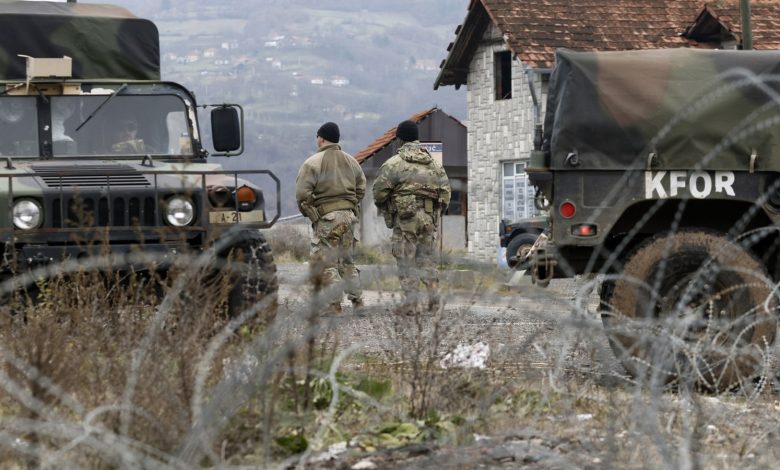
[226,130]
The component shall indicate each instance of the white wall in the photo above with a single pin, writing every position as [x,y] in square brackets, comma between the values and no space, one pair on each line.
[498,130]
[373,231]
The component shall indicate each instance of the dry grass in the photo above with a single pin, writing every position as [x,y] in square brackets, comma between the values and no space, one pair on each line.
[290,242]
[103,372]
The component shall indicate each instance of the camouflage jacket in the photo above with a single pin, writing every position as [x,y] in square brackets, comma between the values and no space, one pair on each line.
[329,175]
[411,172]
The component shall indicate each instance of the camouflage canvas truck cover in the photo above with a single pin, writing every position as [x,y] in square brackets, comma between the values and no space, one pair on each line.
[660,169]
[99,156]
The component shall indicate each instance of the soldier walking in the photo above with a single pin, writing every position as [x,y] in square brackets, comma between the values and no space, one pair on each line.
[412,192]
[329,188]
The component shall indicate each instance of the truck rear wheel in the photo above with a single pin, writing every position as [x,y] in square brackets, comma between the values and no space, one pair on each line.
[691,306]
[518,248]
[253,282]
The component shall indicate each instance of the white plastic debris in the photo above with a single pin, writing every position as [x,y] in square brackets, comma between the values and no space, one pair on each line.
[333,451]
[467,355]
[584,417]
[338,448]
[364,464]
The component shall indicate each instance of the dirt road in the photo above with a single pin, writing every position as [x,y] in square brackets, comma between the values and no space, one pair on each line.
[521,325]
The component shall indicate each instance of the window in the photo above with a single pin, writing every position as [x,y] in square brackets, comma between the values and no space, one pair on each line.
[518,192]
[125,125]
[18,126]
[502,65]
[458,198]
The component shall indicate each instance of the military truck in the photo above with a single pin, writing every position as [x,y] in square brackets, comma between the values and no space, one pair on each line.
[101,157]
[661,171]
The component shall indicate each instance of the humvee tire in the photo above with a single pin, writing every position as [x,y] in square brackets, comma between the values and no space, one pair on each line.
[518,248]
[252,275]
[690,306]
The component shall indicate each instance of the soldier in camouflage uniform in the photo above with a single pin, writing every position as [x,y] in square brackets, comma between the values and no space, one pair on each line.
[329,188]
[412,191]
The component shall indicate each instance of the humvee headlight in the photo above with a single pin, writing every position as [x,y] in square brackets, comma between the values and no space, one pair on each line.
[179,211]
[27,214]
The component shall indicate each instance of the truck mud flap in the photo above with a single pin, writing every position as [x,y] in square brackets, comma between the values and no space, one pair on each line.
[543,262]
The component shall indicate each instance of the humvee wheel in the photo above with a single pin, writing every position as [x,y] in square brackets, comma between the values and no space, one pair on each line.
[252,274]
[691,306]
[518,248]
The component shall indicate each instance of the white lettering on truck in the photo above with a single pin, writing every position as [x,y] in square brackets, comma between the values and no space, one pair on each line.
[700,184]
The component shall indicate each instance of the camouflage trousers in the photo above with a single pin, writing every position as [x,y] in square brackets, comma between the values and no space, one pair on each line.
[332,248]
[414,249]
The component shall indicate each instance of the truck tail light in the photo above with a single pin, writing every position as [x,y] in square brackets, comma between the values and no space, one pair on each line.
[584,230]
[567,210]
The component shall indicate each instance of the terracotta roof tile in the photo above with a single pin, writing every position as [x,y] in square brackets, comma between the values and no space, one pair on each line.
[387,138]
[535,28]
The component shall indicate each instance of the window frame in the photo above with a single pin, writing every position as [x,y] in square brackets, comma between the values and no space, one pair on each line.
[519,182]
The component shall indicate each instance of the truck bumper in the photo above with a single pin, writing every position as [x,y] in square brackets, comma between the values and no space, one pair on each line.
[120,257]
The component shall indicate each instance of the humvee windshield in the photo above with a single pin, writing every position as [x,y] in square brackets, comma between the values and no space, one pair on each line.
[125,125]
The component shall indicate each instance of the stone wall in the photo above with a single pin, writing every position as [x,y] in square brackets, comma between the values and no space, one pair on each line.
[498,130]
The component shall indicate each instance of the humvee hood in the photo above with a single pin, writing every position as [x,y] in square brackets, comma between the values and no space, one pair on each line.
[671,108]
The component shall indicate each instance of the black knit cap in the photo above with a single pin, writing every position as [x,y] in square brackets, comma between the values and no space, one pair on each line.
[407,131]
[330,132]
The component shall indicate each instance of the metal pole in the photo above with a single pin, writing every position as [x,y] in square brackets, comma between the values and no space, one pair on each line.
[747,31]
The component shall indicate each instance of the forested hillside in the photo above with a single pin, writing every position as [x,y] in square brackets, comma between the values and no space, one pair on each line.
[294,64]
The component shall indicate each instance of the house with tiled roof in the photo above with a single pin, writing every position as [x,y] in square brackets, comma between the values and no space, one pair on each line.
[504,52]
[719,26]
[445,138]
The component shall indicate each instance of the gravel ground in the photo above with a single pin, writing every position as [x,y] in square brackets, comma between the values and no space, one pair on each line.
[544,330]
[521,326]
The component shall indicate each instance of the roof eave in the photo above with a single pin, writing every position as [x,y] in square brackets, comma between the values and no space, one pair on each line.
[454,69]
[708,16]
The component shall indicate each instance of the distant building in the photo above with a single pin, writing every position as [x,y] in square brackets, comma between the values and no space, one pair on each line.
[446,137]
[317,81]
[339,82]
[209,53]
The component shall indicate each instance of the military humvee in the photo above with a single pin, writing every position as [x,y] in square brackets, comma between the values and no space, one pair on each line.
[661,170]
[518,237]
[100,156]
